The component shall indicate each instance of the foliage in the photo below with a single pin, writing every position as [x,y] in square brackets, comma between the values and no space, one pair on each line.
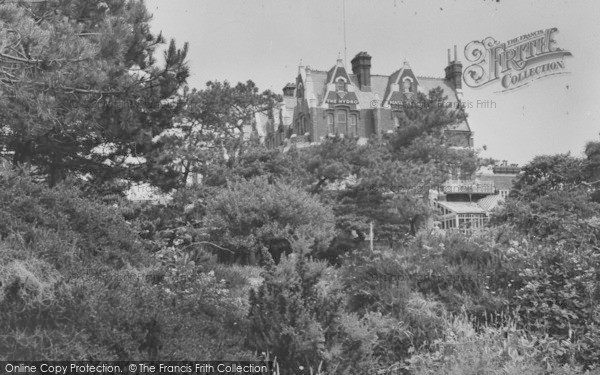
[73,228]
[559,298]
[75,284]
[387,181]
[297,317]
[505,350]
[454,269]
[569,216]
[80,87]
[255,161]
[548,173]
[253,215]
[291,314]
[85,275]
[216,127]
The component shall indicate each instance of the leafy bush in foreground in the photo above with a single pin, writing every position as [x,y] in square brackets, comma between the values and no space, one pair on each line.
[76,284]
[504,350]
[252,216]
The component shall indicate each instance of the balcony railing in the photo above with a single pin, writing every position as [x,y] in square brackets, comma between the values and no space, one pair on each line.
[468,186]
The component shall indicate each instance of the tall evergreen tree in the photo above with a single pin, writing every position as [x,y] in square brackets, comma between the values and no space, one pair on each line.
[213,132]
[76,75]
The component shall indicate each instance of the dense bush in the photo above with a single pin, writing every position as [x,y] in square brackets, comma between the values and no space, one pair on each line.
[297,316]
[252,216]
[73,229]
[455,269]
[292,313]
[75,283]
[504,350]
[559,298]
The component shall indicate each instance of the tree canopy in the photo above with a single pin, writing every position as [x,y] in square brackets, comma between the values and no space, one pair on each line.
[76,76]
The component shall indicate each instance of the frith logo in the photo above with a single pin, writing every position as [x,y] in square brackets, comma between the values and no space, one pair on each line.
[515,63]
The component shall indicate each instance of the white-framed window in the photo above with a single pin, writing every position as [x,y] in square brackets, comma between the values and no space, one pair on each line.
[353,128]
[330,123]
[407,85]
[340,85]
[342,122]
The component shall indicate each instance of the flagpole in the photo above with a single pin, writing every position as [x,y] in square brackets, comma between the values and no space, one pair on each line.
[344,14]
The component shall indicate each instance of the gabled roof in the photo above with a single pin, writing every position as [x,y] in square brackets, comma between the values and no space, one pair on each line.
[316,82]
[338,70]
[396,77]
[315,87]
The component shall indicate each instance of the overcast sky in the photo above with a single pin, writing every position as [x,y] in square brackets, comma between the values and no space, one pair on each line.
[264,40]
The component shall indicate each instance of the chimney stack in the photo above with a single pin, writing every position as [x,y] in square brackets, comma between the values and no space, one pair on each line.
[454,70]
[361,66]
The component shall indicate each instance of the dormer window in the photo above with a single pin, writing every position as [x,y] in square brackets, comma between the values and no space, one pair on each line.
[340,85]
[407,85]
[300,91]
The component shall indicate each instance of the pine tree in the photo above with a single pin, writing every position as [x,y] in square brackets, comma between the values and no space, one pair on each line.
[75,75]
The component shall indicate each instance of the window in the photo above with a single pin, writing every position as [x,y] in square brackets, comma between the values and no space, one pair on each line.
[353,131]
[340,85]
[407,85]
[342,122]
[330,124]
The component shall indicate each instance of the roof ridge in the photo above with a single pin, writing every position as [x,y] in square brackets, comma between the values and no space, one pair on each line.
[430,77]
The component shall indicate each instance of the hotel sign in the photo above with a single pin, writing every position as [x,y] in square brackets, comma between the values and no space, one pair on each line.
[342,97]
[515,63]
[341,101]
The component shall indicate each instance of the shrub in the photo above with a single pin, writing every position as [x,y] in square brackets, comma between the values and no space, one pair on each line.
[64,227]
[76,284]
[292,314]
[458,271]
[254,215]
[491,350]
[559,298]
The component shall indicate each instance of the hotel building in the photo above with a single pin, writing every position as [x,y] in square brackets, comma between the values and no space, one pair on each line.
[358,103]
